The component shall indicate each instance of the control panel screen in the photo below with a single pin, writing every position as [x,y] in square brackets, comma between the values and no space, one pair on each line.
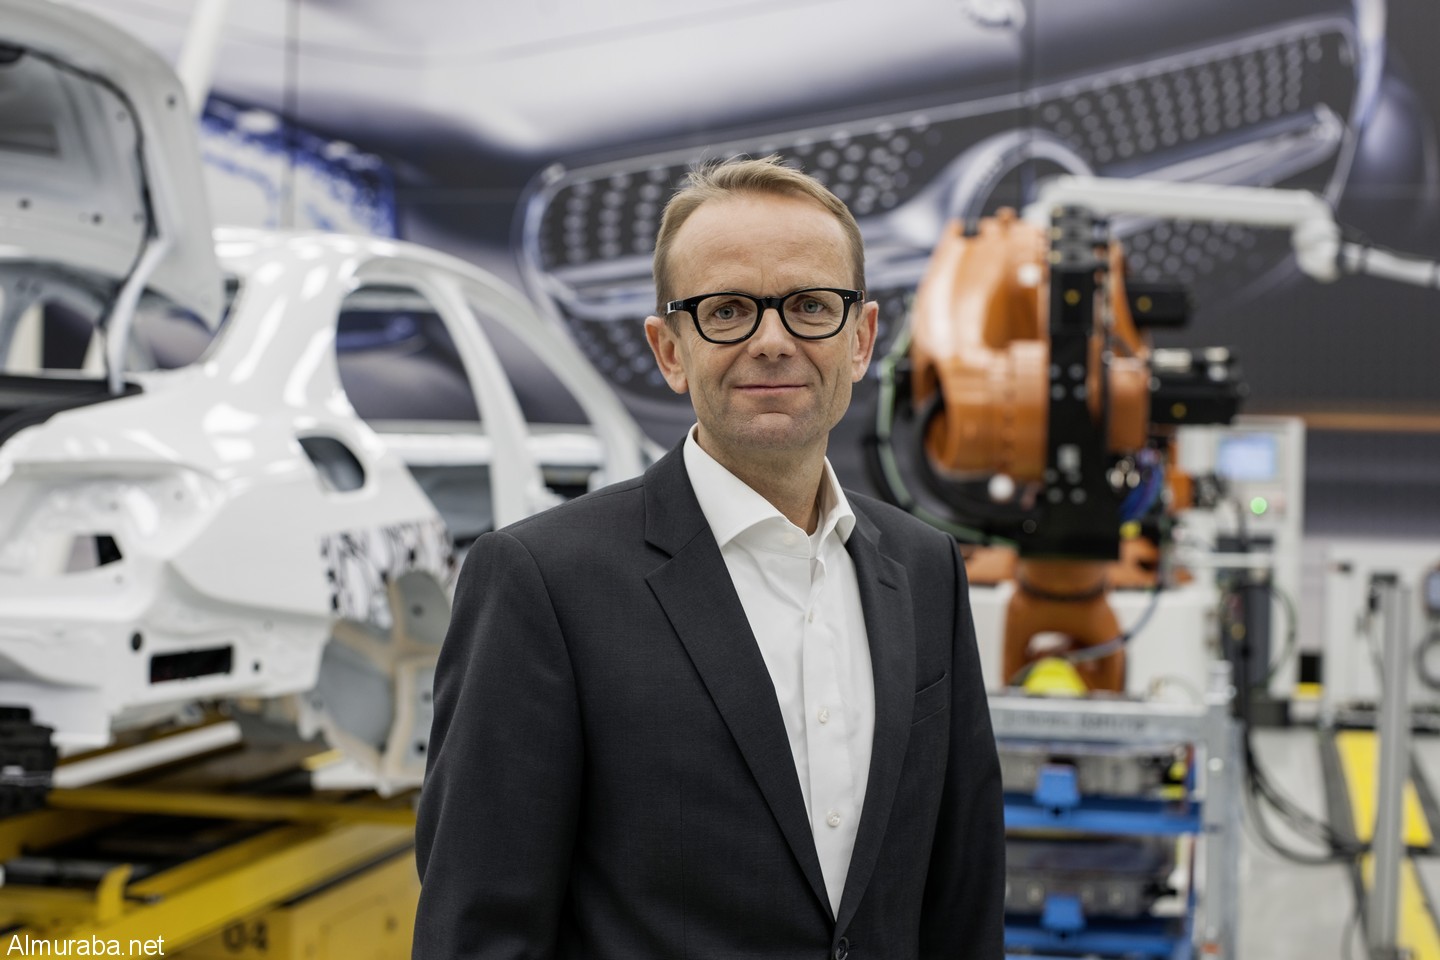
[1248,457]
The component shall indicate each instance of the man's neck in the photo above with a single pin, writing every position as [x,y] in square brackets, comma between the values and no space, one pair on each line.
[791,483]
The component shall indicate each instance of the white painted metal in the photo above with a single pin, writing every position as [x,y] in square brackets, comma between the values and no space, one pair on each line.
[81,206]
[147,755]
[1352,687]
[197,58]
[122,315]
[1314,233]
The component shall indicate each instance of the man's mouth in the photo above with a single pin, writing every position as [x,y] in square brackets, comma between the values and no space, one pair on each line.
[764,389]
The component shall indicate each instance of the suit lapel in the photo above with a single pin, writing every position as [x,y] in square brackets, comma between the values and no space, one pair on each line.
[889,624]
[698,597]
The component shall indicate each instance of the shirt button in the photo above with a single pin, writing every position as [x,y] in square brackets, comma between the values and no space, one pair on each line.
[788,539]
[833,818]
[810,616]
[823,715]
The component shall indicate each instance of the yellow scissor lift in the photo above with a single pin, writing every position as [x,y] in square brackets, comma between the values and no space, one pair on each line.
[212,857]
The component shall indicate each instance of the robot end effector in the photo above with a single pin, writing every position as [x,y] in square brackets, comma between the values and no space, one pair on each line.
[1320,250]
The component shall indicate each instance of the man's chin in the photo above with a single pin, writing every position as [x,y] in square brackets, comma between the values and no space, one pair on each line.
[773,432]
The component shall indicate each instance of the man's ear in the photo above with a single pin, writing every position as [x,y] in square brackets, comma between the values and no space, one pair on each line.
[864,340]
[665,344]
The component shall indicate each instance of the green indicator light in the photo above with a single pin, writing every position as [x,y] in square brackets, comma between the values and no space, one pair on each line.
[1258,506]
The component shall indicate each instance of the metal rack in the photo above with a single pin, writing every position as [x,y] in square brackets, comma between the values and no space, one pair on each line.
[1208,807]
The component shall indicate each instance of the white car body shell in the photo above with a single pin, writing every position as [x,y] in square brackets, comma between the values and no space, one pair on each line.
[232,529]
[230,537]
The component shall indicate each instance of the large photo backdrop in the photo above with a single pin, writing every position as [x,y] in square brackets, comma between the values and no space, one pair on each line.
[541,141]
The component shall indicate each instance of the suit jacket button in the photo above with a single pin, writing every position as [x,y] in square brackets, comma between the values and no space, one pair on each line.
[842,949]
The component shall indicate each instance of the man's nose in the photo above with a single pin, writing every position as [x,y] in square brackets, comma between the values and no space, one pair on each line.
[772,339]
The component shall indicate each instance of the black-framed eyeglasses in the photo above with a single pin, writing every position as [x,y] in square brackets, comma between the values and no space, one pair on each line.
[729,317]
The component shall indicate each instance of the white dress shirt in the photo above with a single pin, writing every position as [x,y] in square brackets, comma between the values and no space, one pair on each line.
[803,602]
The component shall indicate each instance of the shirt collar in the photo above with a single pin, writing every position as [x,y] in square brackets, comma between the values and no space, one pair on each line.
[732,507]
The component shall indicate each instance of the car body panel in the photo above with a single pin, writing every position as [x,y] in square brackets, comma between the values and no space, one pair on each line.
[73,192]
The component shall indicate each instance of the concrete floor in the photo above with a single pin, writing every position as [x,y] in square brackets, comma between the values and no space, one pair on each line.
[1307,912]
[1291,911]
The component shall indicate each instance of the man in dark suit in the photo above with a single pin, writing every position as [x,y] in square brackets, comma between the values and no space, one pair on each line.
[724,710]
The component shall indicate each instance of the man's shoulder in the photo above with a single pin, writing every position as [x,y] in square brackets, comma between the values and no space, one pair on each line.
[619,506]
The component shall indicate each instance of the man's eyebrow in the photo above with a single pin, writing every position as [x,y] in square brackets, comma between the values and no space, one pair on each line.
[764,296]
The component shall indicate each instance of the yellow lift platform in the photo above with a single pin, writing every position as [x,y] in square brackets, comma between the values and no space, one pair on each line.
[213,858]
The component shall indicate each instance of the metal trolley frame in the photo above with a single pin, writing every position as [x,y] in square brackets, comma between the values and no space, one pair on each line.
[1211,809]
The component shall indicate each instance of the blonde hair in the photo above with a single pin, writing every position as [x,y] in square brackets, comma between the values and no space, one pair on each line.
[740,177]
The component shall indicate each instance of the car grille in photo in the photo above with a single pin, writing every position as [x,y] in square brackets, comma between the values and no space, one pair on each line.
[1266,110]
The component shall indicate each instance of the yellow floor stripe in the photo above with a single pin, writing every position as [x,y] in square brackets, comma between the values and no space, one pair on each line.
[1416,931]
[1360,762]
[1360,758]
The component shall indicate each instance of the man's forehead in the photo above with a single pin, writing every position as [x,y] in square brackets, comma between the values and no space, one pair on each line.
[789,212]
[733,228]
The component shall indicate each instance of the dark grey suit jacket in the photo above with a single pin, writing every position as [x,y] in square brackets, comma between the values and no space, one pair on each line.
[610,776]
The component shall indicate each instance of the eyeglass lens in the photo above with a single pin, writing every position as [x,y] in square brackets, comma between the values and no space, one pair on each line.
[808,313]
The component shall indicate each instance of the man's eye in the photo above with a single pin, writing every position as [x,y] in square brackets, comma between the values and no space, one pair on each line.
[727,311]
[811,306]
